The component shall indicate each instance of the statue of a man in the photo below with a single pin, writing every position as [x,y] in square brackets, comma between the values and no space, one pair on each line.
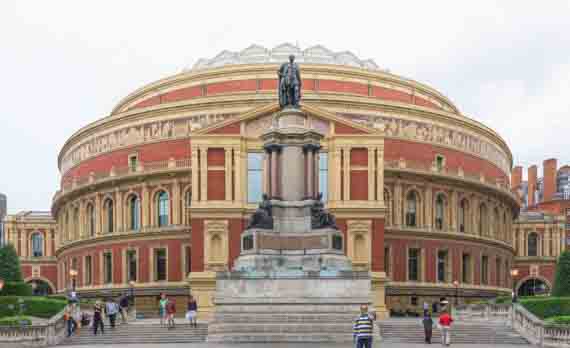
[289,83]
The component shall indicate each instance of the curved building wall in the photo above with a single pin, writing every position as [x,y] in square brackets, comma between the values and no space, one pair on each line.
[158,190]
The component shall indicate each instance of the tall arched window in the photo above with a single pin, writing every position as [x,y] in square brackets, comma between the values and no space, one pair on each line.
[162,208]
[532,244]
[37,244]
[462,215]
[411,209]
[90,221]
[134,211]
[76,223]
[483,220]
[439,211]
[109,223]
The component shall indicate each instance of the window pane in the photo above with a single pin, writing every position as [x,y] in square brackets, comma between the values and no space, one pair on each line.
[88,271]
[163,209]
[413,264]
[37,245]
[441,265]
[108,267]
[132,265]
[135,213]
[254,177]
[160,264]
[324,175]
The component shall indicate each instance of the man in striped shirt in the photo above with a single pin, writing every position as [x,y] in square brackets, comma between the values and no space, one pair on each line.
[363,328]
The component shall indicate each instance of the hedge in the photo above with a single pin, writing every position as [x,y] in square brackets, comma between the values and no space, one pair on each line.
[16,289]
[562,278]
[34,306]
[547,307]
[560,320]
[15,321]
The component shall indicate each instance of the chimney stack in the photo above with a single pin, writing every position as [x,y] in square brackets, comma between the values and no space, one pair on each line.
[549,168]
[516,177]
[532,173]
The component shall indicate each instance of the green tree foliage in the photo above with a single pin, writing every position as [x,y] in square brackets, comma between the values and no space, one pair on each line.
[10,270]
[562,279]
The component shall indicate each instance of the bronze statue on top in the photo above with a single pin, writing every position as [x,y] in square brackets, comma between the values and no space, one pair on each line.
[289,83]
[320,217]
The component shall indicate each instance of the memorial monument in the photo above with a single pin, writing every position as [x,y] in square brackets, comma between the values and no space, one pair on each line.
[292,281]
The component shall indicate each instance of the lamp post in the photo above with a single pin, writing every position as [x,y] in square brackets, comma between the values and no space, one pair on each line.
[514,275]
[73,275]
[1,284]
[456,285]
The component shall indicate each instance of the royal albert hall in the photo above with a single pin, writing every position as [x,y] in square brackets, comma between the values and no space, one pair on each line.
[155,195]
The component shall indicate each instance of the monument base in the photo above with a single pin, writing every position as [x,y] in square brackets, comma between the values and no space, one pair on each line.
[306,308]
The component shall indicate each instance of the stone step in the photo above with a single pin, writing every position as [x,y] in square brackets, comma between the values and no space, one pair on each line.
[291,328]
[283,317]
[279,338]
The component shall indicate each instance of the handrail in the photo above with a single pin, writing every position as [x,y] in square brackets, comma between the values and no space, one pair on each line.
[536,331]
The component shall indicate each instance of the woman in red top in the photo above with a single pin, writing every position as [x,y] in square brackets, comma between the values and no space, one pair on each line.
[445,321]
[171,311]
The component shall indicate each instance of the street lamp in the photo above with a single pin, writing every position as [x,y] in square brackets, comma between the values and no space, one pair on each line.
[514,275]
[456,285]
[73,275]
[1,284]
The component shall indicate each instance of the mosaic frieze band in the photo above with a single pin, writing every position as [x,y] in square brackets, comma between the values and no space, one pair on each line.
[427,132]
[134,135]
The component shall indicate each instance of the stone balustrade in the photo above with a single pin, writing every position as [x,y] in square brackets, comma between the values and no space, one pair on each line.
[143,168]
[531,328]
[458,173]
[49,334]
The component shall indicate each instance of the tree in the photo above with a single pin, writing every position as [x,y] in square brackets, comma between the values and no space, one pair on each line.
[562,279]
[10,270]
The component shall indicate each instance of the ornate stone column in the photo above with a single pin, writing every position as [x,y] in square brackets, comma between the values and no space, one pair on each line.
[334,174]
[371,174]
[346,176]
[146,205]
[238,175]
[398,208]
[98,215]
[195,175]
[228,173]
[380,175]
[176,203]
[119,211]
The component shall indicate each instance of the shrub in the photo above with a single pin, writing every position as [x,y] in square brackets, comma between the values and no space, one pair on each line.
[16,289]
[560,320]
[15,321]
[34,306]
[562,278]
[547,307]
[10,270]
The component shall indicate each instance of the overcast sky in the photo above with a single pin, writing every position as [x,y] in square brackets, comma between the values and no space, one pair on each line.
[64,64]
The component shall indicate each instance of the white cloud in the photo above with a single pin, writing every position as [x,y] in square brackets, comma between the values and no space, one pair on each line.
[64,64]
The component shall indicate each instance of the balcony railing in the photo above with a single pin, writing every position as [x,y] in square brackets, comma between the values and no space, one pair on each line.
[422,167]
[142,168]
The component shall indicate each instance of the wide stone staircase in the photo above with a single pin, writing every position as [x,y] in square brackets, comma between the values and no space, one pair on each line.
[410,330]
[142,331]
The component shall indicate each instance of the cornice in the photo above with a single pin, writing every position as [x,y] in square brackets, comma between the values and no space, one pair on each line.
[403,232]
[169,232]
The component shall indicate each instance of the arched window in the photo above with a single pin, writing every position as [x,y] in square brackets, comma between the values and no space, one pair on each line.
[483,220]
[90,221]
[109,223]
[134,211]
[188,198]
[162,208]
[496,225]
[37,244]
[462,215]
[532,244]
[439,211]
[76,223]
[411,209]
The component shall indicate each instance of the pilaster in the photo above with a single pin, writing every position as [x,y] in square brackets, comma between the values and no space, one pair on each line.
[204,174]
[380,175]
[145,204]
[239,174]
[427,208]
[228,173]
[453,211]
[176,203]
[119,204]
[98,215]
[398,203]
[195,171]
[371,174]
[346,169]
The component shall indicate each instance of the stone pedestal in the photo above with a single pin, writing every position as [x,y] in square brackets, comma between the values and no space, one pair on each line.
[292,281]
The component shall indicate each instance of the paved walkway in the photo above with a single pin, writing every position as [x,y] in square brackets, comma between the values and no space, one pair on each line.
[292,345]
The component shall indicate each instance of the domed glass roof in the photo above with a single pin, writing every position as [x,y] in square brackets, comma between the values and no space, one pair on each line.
[256,54]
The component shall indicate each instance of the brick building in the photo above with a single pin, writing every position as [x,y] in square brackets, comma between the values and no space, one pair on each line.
[542,230]
[154,196]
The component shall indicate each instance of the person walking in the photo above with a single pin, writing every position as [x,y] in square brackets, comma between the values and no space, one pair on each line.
[124,308]
[162,308]
[363,328]
[445,321]
[68,318]
[192,313]
[98,318]
[427,322]
[111,310]
[171,311]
